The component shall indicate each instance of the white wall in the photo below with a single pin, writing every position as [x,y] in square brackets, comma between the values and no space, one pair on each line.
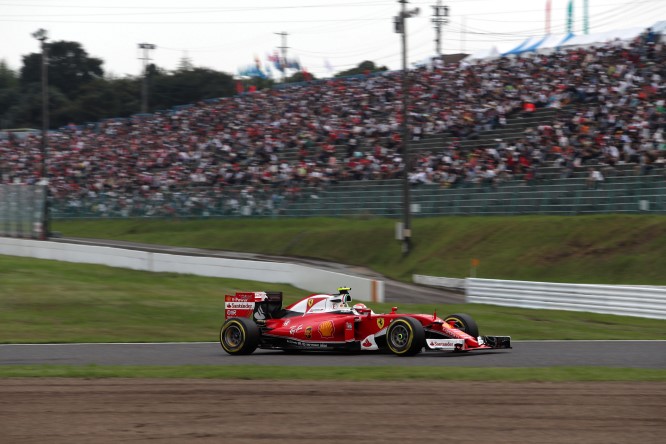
[307,278]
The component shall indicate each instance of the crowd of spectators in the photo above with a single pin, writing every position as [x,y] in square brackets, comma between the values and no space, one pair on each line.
[265,147]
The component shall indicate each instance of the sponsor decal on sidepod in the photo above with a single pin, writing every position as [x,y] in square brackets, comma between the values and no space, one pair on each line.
[326,329]
[369,343]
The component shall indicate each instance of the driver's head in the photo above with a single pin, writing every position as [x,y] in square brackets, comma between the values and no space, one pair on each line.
[359,307]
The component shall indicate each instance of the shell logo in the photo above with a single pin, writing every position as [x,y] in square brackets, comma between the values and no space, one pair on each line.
[326,329]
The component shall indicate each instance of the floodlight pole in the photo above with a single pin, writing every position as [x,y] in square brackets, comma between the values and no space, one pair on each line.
[401,28]
[283,48]
[144,83]
[42,36]
[440,17]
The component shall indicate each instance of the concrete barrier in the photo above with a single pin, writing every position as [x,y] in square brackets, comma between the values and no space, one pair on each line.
[307,278]
[435,281]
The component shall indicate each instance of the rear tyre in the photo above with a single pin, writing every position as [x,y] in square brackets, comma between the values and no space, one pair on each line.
[405,336]
[464,322]
[239,336]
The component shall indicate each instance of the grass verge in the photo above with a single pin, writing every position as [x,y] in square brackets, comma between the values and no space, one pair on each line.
[595,249]
[551,374]
[48,302]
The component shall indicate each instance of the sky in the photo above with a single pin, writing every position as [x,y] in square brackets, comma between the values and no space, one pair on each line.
[326,36]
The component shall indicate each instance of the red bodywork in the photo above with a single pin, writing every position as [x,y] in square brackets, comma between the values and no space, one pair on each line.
[323,321]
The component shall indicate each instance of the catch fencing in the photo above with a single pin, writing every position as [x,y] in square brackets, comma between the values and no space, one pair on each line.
[22,210]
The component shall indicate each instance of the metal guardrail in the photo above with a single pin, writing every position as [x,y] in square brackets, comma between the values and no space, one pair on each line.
[646,302]
[624,300]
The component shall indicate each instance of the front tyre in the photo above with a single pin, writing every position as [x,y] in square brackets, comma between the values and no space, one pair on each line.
[239,336]
[463,322]
[405,336]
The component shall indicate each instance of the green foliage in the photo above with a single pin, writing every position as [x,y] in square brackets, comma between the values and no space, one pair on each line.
[80,93]
[366,67]
[602,249]
[103,98]
[188,86]
[69,67]
[300,76]
[49,301]
[8,77]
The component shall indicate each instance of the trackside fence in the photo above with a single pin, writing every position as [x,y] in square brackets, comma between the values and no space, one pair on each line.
[646,302]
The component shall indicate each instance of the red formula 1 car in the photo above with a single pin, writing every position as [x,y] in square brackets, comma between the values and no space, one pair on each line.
[328,322]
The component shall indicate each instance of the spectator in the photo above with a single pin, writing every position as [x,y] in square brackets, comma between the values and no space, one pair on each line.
[594,178]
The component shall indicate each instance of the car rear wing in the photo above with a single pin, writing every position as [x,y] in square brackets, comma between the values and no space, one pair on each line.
[260,305]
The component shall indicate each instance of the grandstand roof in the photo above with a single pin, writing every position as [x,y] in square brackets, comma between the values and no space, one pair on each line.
[551,42]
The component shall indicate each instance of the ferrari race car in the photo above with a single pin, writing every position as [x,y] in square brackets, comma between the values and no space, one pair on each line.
[328,322]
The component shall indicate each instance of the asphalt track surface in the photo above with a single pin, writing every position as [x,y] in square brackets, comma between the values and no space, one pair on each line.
[619,354]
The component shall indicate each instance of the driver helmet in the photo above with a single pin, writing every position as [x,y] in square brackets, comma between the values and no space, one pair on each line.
[360,306]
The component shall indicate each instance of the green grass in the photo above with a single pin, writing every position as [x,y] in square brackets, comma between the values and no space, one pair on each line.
[552,374]
[602,249]
[48,301]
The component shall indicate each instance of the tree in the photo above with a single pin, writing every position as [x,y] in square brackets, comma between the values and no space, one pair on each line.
[365,67]
[103,98]
[79,92]
[184,87]
[9,95]
[28,111]
[69,68]
[300,76]
[8,77]
[185,64]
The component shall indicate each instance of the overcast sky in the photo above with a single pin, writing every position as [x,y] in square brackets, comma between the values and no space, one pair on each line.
[227,34]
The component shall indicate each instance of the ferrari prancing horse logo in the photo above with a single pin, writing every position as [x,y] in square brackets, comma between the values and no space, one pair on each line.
[380,323]
[310,302]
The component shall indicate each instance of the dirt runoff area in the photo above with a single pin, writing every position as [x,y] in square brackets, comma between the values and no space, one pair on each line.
[242,411]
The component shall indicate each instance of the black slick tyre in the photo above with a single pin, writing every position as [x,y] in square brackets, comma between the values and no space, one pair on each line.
[239,336]
[405,336]
[464,322]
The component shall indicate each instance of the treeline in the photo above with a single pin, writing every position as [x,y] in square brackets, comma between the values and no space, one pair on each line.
[80,92]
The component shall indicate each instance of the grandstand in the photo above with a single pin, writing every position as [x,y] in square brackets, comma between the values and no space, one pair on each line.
[510,136]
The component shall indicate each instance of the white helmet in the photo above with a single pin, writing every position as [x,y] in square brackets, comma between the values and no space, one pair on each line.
[360,307]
